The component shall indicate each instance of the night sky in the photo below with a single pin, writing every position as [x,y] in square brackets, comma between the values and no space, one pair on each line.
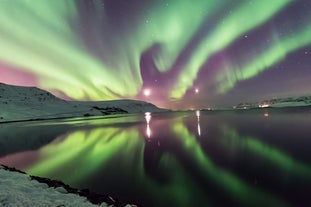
[173,53]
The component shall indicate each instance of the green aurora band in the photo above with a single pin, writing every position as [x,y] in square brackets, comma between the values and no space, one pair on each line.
[50,48]
[41,38]
[231,27]
[272,55]
[82,53]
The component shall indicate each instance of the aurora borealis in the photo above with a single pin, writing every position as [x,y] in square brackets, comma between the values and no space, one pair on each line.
[177,54]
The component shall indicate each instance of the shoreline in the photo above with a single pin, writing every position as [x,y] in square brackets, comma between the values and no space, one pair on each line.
[59,187]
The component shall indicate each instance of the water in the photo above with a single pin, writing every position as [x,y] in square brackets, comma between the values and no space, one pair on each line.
[254,158]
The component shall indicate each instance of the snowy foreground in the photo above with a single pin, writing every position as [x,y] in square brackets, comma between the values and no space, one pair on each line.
[19,189]
[18,103]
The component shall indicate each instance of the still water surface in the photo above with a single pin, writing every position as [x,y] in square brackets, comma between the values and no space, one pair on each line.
[255,158]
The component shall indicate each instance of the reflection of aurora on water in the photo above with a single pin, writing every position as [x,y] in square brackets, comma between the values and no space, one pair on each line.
[282,161]
[169,167]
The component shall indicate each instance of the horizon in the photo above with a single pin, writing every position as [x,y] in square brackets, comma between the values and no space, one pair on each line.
[176,55]
[184,109]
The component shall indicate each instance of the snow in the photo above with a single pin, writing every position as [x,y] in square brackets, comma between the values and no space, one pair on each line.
[289,104]
[18,189]
[18,103]
[278,103]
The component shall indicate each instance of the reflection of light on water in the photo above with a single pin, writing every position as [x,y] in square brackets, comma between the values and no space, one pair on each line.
[266,114]
[198,113]
[148,117]
[199,127]
[148,129]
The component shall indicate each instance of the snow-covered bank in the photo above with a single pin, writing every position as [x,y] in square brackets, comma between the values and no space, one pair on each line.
[19,189]
[18,103]
[300,101]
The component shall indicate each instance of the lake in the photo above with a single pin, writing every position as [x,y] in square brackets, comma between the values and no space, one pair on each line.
[196,158]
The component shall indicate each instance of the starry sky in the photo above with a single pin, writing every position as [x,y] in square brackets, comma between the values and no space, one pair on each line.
[173,53]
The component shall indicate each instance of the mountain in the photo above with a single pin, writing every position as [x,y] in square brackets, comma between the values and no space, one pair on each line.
[18,103]
[278,103]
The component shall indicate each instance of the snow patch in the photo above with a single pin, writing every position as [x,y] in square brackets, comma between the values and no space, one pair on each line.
[18,189]
[278,103]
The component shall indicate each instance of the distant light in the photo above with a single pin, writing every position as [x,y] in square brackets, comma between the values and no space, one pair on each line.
[266,114]
[196,90]
[263,105]
[147,92]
